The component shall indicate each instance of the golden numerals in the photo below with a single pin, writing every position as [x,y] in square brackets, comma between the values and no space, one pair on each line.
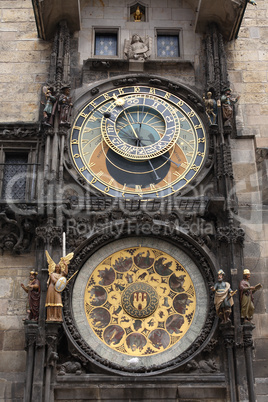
[93,130]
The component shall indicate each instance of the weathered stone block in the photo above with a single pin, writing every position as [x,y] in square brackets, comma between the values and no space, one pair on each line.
[12,361]
[162,14]
[251,76]
[13,340]
[5,287]
[20,15]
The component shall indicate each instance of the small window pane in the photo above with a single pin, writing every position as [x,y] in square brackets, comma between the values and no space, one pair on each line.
[14,180]
[105,44]
[168,46]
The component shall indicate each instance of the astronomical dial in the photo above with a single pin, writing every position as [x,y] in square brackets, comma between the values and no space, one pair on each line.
[132,299]
[138,141]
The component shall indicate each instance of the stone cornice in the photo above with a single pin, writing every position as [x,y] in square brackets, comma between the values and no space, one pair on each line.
[227,14]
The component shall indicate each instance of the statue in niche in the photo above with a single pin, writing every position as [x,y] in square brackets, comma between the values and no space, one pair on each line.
[223,299]
[33,290]
[227,103]
[65,106]
[138,14]
[246,297]
[211,108]
[56,274]
[138,48]
[49,109]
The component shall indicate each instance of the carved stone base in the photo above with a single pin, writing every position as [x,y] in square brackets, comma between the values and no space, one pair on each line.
[136,65]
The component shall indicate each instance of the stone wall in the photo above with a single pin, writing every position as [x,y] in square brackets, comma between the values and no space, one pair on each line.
[14,270]
[247,63]
[160,16]
[24,61]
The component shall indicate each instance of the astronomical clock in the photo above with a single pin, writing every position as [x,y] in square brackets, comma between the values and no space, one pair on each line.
[139,304]
[138,141]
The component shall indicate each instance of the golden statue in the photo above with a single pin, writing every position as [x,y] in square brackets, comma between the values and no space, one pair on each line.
[56,281]
[138,14]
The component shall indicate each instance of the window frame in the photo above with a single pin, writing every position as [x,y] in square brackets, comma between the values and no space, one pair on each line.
[100,30]
[169,32]
[31,172]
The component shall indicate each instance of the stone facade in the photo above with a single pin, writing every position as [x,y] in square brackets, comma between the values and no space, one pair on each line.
[24,70]
[24,62]
[248,77]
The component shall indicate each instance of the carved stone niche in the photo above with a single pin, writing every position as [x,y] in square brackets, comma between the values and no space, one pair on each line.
[138,12]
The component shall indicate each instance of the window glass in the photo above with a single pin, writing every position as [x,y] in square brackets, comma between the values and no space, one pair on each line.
[105,44]
[168,46]
[14,180]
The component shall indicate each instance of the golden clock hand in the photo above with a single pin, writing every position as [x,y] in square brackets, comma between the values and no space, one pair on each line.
[107,115]
[139,142]
[120,102]
[130,123]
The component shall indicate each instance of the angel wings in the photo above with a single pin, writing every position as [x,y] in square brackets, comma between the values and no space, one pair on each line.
[138,48]
[63,262]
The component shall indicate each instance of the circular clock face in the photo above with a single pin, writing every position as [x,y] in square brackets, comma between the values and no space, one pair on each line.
[139,300]
[138,141]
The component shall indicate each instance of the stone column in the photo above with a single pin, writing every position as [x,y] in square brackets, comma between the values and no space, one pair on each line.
[31,330]
[227,332]
[52,337]
[248,347]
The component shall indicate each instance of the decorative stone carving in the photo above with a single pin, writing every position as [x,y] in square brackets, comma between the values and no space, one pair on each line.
[138,48]
[59,71]
[70,368]
[230,234]
[9,131]
[49,233]
[203,366]
[52,355]
[216,65]
[16,234]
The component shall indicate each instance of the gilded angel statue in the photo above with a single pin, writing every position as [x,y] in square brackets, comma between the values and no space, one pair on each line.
[56,283]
